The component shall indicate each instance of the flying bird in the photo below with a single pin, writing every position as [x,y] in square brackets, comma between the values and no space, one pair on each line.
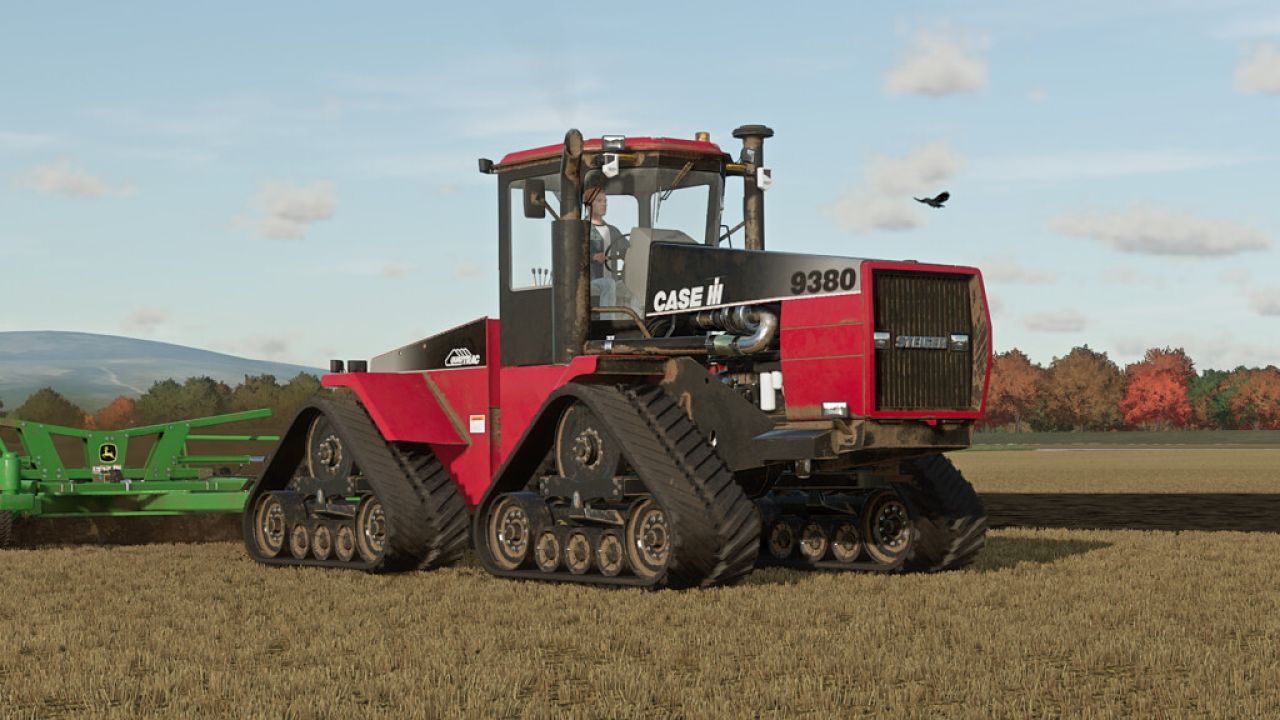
[935,201]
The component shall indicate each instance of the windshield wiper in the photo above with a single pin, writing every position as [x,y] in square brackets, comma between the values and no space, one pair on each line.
[664,194]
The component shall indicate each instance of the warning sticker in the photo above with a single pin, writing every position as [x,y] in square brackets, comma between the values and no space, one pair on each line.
[477,424]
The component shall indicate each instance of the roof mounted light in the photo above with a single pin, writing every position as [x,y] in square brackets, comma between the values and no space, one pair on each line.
[613,143]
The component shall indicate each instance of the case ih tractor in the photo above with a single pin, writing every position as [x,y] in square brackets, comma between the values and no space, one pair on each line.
[654,407]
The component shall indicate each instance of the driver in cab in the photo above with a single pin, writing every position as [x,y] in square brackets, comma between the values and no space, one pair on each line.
[603,236]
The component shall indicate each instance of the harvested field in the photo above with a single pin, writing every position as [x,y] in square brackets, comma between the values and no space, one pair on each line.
[1123,470]
[1048,622]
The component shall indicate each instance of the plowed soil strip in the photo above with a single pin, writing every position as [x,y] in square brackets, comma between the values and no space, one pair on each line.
[1247,512]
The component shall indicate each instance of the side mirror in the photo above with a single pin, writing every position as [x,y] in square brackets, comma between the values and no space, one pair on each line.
[535,198]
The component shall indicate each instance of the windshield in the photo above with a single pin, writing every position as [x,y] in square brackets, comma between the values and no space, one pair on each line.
[640,206]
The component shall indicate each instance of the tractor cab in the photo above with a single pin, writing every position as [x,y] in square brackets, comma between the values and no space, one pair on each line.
[631,193]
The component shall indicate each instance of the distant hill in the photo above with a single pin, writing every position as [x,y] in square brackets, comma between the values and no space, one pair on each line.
[91,370]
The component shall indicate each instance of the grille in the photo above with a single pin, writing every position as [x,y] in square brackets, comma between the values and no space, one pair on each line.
[923,305]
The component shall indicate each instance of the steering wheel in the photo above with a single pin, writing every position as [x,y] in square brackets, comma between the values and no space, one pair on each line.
[616,256]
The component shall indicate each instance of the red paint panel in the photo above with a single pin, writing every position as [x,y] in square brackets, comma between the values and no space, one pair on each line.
[402,406]
[523,391]
[807,383]
[829,310]
[636,144]
[467,393]
[816,342]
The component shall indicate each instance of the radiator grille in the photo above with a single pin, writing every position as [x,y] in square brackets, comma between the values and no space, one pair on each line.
[930,306]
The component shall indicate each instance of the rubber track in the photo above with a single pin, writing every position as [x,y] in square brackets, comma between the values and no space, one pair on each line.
[717,526]
[6,528]
[951,521]
[420,510]
[445,512]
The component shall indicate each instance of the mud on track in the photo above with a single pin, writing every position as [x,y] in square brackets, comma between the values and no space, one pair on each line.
[1247,512]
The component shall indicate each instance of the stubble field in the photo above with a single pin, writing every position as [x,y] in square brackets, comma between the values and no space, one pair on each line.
[1047,623]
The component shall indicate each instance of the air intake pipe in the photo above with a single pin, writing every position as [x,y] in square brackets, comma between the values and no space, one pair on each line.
[748,330]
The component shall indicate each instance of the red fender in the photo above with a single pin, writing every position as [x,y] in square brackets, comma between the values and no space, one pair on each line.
[406,407]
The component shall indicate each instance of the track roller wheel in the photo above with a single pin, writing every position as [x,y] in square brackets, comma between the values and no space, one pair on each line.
[509,534]
[269,526]
[322,543]
[648,540]
[371,529]
[813,542]
[846,543]
[577,553]
[547,552]
[328,458]
[299,541]
[782,540]
[886,525]
[345,544]
[610,554]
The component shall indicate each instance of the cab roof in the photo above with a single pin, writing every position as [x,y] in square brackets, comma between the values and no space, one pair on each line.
[633,144]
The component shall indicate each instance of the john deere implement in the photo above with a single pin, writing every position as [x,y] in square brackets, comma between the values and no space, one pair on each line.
[36,482]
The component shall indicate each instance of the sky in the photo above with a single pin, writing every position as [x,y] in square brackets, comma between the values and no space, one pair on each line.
[297,181]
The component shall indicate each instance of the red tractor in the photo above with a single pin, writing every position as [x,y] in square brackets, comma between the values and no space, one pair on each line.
[654,407]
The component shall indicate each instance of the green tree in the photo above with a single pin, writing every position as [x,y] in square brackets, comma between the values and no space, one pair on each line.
[1210,394]
[46,405]
[161,403]
[295,392]
[257,391]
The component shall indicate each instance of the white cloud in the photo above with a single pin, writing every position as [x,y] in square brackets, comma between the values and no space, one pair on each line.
[1238,277]
[286,212]
[1266,302]
[466,269]
[1011,271]
[1154,231]
[937,65]
[1065,321]
[10,140]
[1260,72]
[884,201]
[145,320]
[62,178]
[1082,165]
[1038,95]
[395,270]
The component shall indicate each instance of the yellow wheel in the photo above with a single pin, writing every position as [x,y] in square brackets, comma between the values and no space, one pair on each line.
[299,541]
[345,546]
[322,543]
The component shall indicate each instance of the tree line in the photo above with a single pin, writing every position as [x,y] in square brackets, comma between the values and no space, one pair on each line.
[169,400]
[1085,390]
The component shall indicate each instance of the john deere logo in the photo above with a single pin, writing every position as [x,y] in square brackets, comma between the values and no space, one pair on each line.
[107,452]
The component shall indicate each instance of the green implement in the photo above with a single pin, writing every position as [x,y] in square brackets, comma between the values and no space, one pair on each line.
[40,480]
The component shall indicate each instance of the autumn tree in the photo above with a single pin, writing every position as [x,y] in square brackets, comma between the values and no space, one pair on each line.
[117,415]
[46,405]
[1256,404]
[1155,390]
[1083,391]
[1208,394]
[1014,390]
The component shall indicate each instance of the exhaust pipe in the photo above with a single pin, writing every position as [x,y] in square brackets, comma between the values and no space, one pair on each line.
[570,260]
[748,331]
[753,137]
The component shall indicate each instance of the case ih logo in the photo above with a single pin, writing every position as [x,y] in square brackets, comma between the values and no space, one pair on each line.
[461,357]
[689,298]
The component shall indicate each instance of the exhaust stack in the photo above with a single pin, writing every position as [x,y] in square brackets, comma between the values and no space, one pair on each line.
[570,255]
[753,137]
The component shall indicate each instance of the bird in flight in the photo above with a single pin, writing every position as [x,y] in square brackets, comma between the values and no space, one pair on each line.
[935,201]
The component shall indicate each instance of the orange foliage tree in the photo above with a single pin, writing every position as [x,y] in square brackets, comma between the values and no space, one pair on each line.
[1083,391]
[1014,390]
[1155,390]
[115,416]
[1256,404]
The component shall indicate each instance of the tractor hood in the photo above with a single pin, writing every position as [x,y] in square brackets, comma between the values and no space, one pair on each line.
[683,277]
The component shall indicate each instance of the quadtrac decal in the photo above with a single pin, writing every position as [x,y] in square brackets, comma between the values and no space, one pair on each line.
[694,277]
[461,347]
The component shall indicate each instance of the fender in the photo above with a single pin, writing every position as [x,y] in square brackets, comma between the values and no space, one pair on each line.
[406,407]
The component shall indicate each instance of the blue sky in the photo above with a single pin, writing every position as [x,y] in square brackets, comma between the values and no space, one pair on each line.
[296,181]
